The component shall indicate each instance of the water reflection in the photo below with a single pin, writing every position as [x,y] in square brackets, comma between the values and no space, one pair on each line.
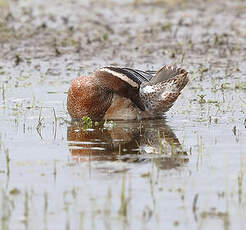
[149,140]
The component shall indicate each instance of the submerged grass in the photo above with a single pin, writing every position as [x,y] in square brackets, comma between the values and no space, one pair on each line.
[39,125]
[3,93]
[123,199]
[6,151]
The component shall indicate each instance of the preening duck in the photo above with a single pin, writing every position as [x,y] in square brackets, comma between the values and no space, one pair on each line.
[125,94]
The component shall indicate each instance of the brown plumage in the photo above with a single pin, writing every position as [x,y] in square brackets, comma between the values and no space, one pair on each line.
[124,93]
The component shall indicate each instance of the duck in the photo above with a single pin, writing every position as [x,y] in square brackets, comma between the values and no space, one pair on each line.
[120,93]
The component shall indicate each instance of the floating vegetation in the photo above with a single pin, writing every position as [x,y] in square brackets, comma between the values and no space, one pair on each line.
[202,100]
[109,124]
[237,85]
[14,191]
[87,123]
[240,85]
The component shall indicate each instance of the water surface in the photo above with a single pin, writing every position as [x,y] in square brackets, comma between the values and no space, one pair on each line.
[185,171]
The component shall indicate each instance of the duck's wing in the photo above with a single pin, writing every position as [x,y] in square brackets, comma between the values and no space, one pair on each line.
[166,73]
[139,75]
[134,77]
[162,91]
[124,81]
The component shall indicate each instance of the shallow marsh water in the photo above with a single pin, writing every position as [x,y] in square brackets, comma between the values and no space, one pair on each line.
[182,172]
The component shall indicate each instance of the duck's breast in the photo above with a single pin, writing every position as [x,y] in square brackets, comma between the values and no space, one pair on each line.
[121,108]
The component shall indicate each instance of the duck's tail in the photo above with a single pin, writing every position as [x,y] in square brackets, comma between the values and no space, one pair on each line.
[161,92]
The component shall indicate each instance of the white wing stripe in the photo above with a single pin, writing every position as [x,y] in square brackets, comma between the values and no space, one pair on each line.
[121,76]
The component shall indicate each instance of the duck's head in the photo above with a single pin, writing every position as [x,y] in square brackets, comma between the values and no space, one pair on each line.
[86,97]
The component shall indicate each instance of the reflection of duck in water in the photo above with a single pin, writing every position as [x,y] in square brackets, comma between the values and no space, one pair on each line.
[125,94]
[129,142]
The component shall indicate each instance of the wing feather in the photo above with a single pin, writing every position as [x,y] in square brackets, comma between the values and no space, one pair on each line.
[129,75]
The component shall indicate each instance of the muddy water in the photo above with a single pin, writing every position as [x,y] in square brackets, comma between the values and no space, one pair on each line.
[185,171]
